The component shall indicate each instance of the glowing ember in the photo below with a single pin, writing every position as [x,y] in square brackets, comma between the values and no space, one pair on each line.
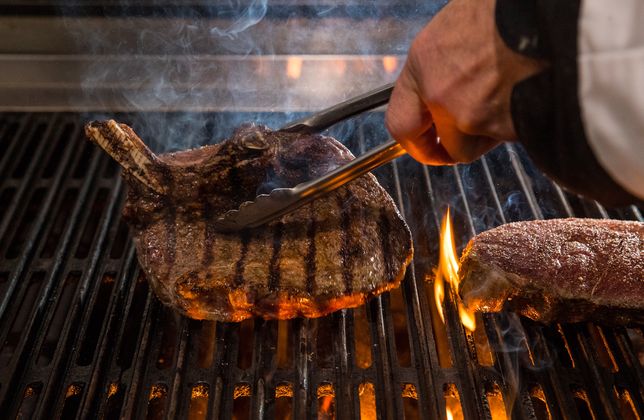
[453,409]
[390,63]
[496,404]
[294,67]
[241,391]
[326,401]
[367,396]
[157,392]
[448,270]
[199,391]
[73,390]
[113,389]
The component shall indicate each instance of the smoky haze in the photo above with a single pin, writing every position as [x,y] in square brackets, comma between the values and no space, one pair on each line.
[189,75]
[177,65]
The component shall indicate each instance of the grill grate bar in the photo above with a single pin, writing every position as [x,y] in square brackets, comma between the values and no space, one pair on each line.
[135,391]
[176,394]
[380,308]
[590,368]
[470,386]
[14,145]
[427,226]
[386,403]
[412,315]
[158,362]
[263,401]
[25,188]
[343,371]
[120,353]
[565,402]
[225,356]
[600,394]
[418,327]
[593,371]
[16,287]
[303,391]
[98,381]
[507,361]
[86,295]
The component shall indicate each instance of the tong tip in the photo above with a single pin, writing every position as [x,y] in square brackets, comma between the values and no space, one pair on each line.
[250,214]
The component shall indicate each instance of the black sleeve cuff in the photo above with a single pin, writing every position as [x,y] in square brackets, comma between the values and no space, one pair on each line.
[545,107]
[518,24]
[551,131]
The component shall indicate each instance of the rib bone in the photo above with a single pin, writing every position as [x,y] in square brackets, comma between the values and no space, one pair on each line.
[126,148]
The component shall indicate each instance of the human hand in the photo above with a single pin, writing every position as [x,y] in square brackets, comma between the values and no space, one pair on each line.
[459,76]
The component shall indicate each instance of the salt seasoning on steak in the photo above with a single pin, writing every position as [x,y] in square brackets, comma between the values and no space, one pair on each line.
[333,253]
[560,270]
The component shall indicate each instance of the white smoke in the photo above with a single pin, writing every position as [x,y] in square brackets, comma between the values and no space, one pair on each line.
[250,16]
[230,58]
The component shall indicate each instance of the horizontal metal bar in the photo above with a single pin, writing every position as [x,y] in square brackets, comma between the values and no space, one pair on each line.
[278,83]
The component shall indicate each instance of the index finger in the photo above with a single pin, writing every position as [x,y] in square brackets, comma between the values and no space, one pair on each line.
[410,122]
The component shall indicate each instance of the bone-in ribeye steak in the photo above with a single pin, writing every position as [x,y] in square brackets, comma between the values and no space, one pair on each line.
[560,270]
[333,253]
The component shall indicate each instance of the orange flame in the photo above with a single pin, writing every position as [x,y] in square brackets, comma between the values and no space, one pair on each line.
[448,270]
[448,264]
[467,317]
[390,63]
[294,67]
[448,412]
[439,293]
[453,409]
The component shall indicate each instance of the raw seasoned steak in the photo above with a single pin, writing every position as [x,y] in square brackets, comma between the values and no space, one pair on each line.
[564,270]
[334,253]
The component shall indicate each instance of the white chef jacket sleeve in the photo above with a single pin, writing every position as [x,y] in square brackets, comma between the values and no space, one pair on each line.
[611,87]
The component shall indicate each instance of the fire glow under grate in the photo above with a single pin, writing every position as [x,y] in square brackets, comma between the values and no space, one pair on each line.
[82,337]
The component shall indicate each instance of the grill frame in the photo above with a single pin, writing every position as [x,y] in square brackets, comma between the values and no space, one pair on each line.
[135,321]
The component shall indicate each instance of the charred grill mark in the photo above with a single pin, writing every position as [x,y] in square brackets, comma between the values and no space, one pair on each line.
[345,253]
[310,256]
[169,221]
[239,267]
[234,182]
[171,234]
[274,268]
[383,228]
[209,234]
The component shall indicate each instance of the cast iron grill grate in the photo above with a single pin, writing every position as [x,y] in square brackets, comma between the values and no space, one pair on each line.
[82,337]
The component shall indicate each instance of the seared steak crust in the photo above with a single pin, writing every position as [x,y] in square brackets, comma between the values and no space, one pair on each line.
[334,253]
[565,270]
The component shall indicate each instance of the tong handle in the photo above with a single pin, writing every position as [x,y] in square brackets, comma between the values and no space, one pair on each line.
[347,109]
[376,157]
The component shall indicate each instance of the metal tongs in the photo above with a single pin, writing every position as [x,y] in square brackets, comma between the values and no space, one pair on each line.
[281,201]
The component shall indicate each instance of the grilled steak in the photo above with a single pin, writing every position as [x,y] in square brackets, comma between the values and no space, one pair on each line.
[334,253]
[565,270]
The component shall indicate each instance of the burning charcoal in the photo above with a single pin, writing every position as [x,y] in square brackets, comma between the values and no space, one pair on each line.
[334,253]
[560,270]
